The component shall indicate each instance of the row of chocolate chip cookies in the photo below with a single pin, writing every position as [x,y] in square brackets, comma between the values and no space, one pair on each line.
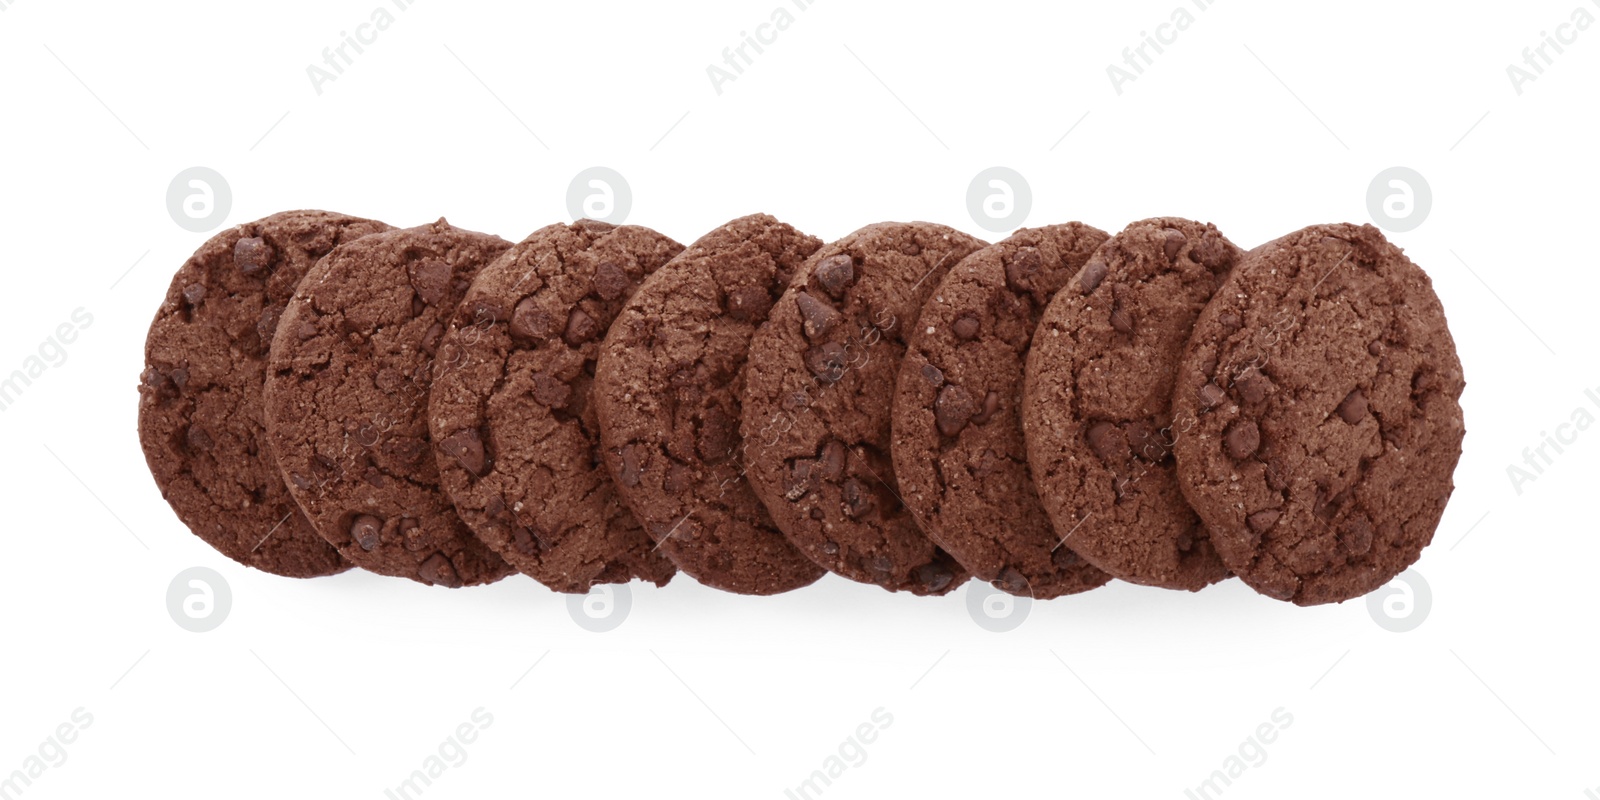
[599,403]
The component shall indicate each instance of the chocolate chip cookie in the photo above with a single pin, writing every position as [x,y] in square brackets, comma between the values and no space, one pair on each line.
[816,404]
[958,450]
[518,443]
[347,398]
[1097,399]
[200,410]
[667,389]
[1317,416]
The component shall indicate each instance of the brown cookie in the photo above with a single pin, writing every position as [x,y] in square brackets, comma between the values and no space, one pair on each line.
[958,450]
[347,396]
[1097,399]
[518,443]
[816,404]
[667,389]
[200,411]
[1316,415]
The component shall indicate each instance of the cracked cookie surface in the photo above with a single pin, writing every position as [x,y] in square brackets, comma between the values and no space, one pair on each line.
[1098,402]
[512,411]
[1323,387]
[817,397]
[200,395]
[347,397]
[958,449]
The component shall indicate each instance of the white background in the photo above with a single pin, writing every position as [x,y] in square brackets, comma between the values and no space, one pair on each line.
[1262,117]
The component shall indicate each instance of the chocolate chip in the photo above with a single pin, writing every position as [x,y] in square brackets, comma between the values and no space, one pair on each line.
[1064,558]
[991,404]
[524,541]
[933,375]
[953,408]
[1010,581]
[831,548]
[580,328]
[1374,347]
[1262,520]
[430,279]
[530,322]
[881,564]
[251,255]
[749,303]
[835,273]
[1107,442]
[1093,273]
[267,325]
[933,576]
[1353,408]
[1230,321]
[1253,386]
[438,571]
[1121,320]
[1357,534]
[550,391]
[830,462]
[1212,394]
[678,478]
[1174,243]
[179,377]
[1242,439]
[966,327]
[194,293]
[197,439]
[857,499]
[1022,267]
[818,317]
[466,447]
[365,530]
[827,361]
[610,281]
[431,338]
[635,459]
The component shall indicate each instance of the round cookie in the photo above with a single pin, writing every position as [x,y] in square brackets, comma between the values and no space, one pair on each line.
[958,450]
[816,404]
[347,395]
[667,389]
[511,409]
[1097,398]
[200,411]
[1317,415]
